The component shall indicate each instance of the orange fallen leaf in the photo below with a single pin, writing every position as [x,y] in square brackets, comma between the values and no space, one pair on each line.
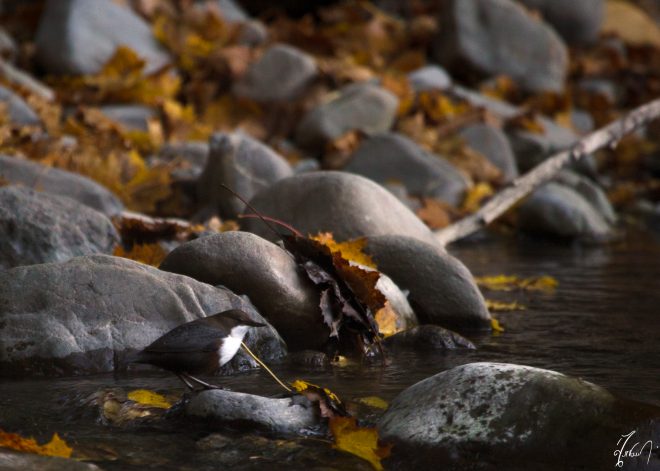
[150,254]
[351,250]
[56,446]
[359,441]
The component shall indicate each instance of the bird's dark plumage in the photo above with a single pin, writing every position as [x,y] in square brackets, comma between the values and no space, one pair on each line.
[200,346]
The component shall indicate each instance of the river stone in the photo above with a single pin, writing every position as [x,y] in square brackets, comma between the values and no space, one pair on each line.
[77,37]
[499,37]
[559,211]
[363,106]
[427,338]
[494,145]
[82,316]
[59,182]
[281,74]
[37,227]
[267,274]
[134,117]
[19,111]
[347,205]
[590,191]
[512,417]
[18,77]
[243,164]
[442,289]
[16,461]
[8,47]
[281,416]
[577,22]
[429,77]
[498,107]
[386,157]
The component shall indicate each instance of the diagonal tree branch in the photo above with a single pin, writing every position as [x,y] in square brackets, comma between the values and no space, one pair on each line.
[609,135]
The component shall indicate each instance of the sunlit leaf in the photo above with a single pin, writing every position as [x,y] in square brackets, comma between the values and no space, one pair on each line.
[474,196]
[388,320]
[495,325]
[374,401]
[56,446]
[359,441]
[149,398]
[351,250]
[150,254]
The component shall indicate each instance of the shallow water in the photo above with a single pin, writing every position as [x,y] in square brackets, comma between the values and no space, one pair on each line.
[602,323]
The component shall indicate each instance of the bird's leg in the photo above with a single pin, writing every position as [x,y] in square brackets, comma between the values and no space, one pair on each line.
[204,384]
[185,381]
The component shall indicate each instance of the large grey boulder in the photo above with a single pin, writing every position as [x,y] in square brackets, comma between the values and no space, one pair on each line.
[79,317]
[20,112]
[494,37]
[512,417]
[442,290]
[577,22]
[267,274]
[494,145]
[59,182]
[79,36]
[559,211]
[243,164]
[363,106]
[282,416]
[37,228]
[347,205]
[282,73]
[387,157]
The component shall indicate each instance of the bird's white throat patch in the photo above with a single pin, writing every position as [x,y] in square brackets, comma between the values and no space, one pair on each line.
[232,343]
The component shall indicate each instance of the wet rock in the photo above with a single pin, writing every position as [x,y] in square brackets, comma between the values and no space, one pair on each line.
[347,205]
[282,416]
[494,105]
[430,77]
[80,316]
[442,290]
[20,112]
[559,211]
[192,155]
[282,73]
[243,164]
[511,416]
[79,36]
[8,48]
[312,359]
[22,79]
[37,228]
[494,37]
[362,106]
[131,116]
[16,461]
[232,12]
[59,182]
[252,32]
[577,22]
[590,191]
[267,274]
[427,338]
[582,121]
[391,156]
[494,145]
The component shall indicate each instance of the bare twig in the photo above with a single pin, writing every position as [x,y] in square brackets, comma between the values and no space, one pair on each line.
[609,135]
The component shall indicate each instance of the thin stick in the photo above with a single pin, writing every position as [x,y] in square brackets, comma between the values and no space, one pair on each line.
[525,184]
[263,365]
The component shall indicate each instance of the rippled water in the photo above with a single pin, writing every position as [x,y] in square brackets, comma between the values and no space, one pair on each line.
[602,323]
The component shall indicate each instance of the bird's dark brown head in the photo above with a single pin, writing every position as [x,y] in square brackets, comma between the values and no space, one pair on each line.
[233,318]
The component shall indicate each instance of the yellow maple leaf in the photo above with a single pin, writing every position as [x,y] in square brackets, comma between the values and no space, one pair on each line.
[350,250]
[149,254]
[388,320]
[359,441]
[374,401]
[149,398]
[475,195]
[301,386]
[496,326]
[56,446]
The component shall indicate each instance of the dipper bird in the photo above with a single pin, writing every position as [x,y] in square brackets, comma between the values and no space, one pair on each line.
[198,347]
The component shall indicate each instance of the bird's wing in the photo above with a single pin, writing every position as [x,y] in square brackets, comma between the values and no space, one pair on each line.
[191,337]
